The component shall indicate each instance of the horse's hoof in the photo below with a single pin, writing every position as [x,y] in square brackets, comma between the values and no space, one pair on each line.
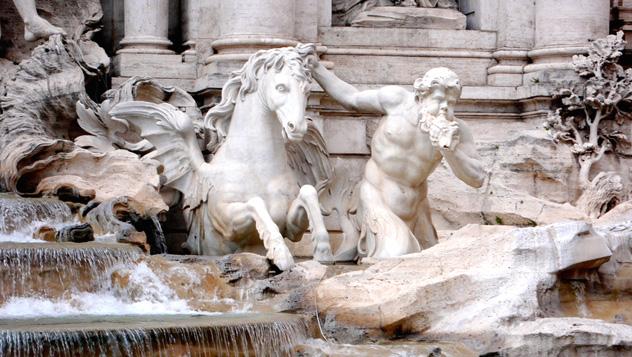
[347,255]
[280,256]
[322,253]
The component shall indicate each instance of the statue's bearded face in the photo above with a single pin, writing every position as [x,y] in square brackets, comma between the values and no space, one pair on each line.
[437,92]
[440,101]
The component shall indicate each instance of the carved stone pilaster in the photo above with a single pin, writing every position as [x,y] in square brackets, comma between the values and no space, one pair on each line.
[625,15]
[246,26]
[564,28]
[515,36]
[190,16]
[146,27]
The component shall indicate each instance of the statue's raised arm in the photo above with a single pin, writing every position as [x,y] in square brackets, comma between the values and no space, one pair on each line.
[417,131]
[373,100]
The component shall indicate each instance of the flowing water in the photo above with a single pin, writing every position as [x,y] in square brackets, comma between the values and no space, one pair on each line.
[48,269]
[21,217]
[224,335]
[579,290]
[64,299]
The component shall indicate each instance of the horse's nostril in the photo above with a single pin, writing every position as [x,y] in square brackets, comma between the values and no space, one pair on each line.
[290,125]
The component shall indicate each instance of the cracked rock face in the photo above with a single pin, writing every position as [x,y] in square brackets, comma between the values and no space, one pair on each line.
[531,182]
[478,287]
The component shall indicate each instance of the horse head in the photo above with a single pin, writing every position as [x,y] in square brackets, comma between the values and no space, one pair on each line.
[281,78]
[285,92]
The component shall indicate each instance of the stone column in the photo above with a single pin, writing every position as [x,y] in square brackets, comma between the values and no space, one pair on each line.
[563,28]
[514,39]
[146,27]
[625,14]
[190,17]
[246,26]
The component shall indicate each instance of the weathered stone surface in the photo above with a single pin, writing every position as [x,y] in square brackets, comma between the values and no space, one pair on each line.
[77,233]
[155,65]
[401,349]
[531,182]
[568,337]
[46,233]
[70,15]
[244,266]
[92,175]
[293,289]
[471,287]
[406,17]
[38,109]
[129,220]
[7,72]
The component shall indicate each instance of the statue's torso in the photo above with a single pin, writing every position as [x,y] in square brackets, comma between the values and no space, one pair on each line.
[402,151]
[402,158]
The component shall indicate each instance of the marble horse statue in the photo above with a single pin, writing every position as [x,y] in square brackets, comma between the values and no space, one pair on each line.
[268,162]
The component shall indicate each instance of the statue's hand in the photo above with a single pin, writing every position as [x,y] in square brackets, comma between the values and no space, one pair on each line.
[313,62]
[444,133]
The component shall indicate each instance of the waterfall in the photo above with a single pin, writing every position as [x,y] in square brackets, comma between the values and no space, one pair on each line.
[110,299]
[223,335]
[20,217]
[579,289]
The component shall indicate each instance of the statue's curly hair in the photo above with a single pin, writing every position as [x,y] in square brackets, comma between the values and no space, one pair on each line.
[440,76]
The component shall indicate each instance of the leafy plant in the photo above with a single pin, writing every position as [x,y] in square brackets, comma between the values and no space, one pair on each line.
[589,117]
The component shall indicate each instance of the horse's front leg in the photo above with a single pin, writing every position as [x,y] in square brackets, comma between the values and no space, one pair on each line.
[305,213]
[242,214]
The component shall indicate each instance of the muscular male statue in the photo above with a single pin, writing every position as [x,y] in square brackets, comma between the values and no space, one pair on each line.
[417,131]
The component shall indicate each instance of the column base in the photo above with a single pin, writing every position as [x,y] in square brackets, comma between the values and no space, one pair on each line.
[509,70]
[145,44]
[190,54]
[231,54]
[156,65]
[552,64]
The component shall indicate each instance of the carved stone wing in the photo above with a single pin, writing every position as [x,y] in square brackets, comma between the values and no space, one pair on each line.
[106,132]
[172,134]
[310,160]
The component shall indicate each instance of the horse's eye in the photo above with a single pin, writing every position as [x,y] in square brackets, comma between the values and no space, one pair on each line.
[281,88]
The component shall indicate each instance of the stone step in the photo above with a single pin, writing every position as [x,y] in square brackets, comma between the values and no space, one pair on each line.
[51,269]
[157,335]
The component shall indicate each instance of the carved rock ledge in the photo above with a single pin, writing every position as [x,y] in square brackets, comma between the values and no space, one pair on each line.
[411,17]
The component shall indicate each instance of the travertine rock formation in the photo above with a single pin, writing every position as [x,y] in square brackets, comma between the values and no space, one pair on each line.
[313,348]
[39,121]
[530,182]
[474,287]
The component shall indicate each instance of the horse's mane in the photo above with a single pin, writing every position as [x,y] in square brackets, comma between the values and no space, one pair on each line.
[244,81]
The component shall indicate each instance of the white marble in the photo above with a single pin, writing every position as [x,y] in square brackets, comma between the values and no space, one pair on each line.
[254,191]
[146,27]
[418,130]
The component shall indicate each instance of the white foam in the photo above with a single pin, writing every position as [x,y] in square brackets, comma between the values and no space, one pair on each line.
[142,293]
[89,304]
[25,234]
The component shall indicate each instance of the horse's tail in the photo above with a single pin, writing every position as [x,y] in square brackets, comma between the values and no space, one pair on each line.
[346,205]
[384,234]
